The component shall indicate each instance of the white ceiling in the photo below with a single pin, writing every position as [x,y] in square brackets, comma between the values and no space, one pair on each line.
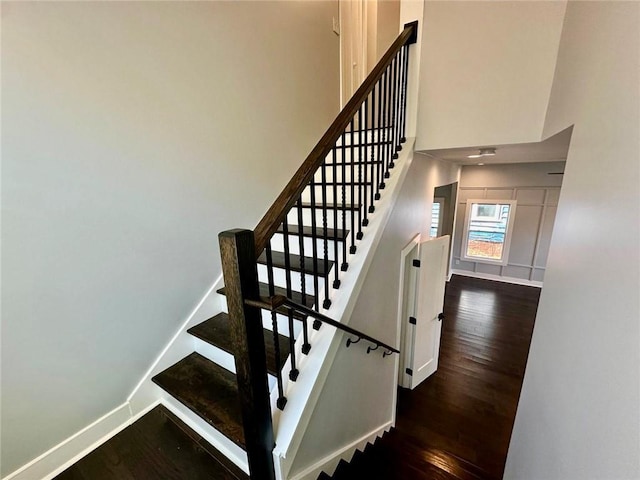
[553,149]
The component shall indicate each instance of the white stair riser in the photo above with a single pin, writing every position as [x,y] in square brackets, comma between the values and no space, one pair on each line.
[277,244]
[307,214]
[222,358]
[280,279]
[360,197]
[356,171]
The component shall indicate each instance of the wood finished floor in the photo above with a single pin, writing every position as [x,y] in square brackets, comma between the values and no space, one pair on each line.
[156,447]
[457,424]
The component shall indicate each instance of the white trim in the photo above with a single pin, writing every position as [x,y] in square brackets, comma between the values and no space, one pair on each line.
[401,322]
[183,327]
[329,463]
[217,439]
[69,451]
[291,424]
[498,278]
[507,236]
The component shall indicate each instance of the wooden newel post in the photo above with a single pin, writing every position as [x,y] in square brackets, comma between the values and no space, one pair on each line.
[241,282]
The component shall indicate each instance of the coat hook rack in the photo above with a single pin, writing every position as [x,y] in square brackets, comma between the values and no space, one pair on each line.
[350,342]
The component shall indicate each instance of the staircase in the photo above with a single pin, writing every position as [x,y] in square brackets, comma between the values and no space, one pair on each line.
[395,456]
[281,278]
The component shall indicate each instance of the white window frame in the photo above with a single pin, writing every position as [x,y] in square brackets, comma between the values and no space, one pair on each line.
[507,236]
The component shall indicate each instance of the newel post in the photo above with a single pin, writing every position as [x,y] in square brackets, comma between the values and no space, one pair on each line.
[241,282]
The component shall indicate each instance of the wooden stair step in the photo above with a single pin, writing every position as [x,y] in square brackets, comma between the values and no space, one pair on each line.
[157,446]
[217,332]
[278,261]
[332,233]
[309,300]
[208,390]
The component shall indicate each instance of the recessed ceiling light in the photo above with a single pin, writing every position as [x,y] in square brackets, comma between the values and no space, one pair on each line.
[480,164]
[484,152]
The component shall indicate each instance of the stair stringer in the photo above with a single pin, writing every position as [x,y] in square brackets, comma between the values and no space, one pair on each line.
[290,424]
[180,345]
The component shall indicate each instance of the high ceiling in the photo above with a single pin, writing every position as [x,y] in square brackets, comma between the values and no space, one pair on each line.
[553,149]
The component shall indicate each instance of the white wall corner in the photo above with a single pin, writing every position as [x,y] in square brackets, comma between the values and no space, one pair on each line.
[412,10]
[179,346]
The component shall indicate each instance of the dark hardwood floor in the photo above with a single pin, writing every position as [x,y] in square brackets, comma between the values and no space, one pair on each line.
[457,424]
[156,447]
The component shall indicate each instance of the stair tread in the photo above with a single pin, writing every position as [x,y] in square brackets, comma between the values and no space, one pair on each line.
[318,232]
[208,390]
[309,300]
[217,332]
[278,261]
[157,446]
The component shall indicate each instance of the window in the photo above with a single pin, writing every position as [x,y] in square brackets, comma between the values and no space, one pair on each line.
[436,218]
[487,230]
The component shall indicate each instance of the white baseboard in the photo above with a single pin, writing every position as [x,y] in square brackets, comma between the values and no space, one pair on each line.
[498,278]
[329,463]
[69,451]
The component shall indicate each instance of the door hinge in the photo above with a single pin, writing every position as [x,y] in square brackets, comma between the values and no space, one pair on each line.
[440,317]
[412,320]
[416,262]
[409,372]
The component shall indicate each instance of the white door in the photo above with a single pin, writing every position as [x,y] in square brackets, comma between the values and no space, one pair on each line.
[422,342]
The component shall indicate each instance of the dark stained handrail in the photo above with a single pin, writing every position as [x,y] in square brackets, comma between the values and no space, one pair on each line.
[271,220]
[277,301]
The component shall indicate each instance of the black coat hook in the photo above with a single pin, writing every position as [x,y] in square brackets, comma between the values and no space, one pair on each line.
[350,342]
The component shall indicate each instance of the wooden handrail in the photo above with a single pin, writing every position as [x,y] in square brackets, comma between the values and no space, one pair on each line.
[277,301]
[270,222]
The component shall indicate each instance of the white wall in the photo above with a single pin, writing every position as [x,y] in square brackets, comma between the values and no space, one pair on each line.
[132,135]
[388,25]
[579,411]
[357,397]
[536,194]
[486,71]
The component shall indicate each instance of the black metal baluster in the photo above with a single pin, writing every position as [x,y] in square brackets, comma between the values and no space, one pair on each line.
[400,56]
[326,303]
[403,138]
[388,128]
[394,91]
[385,113]
[336,281]
[303,270]
[365,156]
[352,249]
[359,180]
[380,140]
[282,400]
[314,247]
[344,265]
[373,149]
[293,374]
